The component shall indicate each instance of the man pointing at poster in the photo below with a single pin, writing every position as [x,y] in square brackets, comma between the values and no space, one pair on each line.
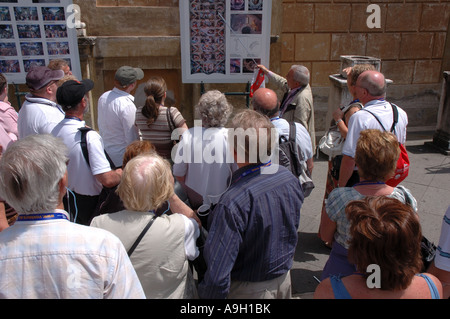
[297,103]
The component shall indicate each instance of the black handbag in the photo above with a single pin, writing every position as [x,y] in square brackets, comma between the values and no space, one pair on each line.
[427,248]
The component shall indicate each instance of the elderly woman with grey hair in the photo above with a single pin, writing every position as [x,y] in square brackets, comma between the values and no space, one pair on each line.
[203,162]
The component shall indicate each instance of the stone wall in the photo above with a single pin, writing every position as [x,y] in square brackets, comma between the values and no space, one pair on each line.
[412,43]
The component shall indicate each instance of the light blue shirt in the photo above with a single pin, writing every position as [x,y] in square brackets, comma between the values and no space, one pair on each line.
[57,259]
[303,138]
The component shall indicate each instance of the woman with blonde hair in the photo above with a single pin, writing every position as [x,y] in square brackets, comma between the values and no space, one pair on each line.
[156,121]
[376,156]
[161,256]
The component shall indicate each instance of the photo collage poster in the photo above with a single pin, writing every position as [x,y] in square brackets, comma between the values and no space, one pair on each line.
[222,41]
[34,32]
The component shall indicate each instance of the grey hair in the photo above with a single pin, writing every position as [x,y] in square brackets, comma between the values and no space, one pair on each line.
[30,171]
[301,74]
[214,109]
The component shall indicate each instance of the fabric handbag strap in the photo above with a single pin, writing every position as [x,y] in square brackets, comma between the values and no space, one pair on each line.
[170,120]
[144,231]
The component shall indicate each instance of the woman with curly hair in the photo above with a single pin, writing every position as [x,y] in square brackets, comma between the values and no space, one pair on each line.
[376,156]
[385,233]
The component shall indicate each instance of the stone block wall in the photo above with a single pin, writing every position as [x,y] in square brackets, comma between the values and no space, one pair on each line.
[413,43]
[410,42]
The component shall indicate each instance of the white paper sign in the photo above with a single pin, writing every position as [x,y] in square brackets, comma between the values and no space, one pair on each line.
[34,32]
[222,41]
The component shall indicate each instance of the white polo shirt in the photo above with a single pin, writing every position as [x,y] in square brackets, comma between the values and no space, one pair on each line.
[81,177]
[116,123]
[38,116]
[363,120]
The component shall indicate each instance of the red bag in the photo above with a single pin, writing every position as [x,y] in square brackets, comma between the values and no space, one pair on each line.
[258,80]
[402,170]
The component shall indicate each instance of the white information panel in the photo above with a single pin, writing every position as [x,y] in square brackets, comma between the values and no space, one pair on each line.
[34,32]
[223,40]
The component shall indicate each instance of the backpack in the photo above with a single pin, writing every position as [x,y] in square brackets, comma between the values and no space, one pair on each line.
[402,169]
[291,158]
[108,200]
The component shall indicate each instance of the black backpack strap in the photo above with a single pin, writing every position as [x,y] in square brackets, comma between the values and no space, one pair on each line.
[375,118]
[395,112]
[292,132]
[83,143]
[84,149]
[395,116]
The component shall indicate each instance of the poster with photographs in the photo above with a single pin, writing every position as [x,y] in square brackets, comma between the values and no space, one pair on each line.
[34,32]
[222,41]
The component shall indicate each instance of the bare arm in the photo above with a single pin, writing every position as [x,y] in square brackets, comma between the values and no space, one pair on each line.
[110,179]
[346,170]
[327,228]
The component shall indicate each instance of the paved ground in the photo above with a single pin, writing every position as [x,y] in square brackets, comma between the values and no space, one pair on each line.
[428,180]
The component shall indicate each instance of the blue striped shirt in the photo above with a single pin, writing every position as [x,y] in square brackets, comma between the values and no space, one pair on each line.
[253,230]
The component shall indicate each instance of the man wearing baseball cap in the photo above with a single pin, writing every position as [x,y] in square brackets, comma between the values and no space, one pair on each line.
[40,112]
[117,113]
[85,178]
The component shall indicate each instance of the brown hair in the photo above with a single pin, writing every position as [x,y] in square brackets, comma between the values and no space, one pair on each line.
[136,148]
[376,155]
[385,232]
[155,88]
[251,134]
[358,69]
[57,64]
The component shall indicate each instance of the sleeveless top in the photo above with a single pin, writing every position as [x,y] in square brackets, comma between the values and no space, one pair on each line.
[340,292]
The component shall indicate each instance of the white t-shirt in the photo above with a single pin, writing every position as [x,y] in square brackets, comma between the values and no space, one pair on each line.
[80,175]
[363,120]
[204,158]
[38,116]
[116,123]
[442,259]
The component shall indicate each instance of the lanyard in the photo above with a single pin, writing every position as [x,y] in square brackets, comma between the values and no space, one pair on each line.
[252,170]
[38,217]
[72,118]
[368,183]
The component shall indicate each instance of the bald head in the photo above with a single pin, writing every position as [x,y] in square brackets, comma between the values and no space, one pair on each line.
[265,101]
[374,82]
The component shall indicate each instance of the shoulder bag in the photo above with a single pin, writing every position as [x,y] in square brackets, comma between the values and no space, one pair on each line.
[141,235]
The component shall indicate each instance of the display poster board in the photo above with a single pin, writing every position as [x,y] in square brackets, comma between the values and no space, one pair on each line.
[34,32]
[223,40]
